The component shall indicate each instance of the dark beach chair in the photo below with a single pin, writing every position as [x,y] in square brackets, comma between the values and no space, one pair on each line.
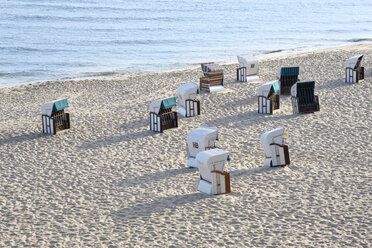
[303,98]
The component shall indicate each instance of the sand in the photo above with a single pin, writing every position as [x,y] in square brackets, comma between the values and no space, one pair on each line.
[110,181]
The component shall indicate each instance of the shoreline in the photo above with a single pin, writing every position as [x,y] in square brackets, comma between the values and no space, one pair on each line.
[264,56]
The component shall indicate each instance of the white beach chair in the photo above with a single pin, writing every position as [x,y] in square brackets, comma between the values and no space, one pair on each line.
[162,116]
[353,71]
[248,69]
[198,140]
[188,105]
[275,150]
[54,118]
[213,179]
[268,97]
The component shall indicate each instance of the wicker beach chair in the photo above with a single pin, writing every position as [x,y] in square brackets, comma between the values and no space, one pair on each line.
[54,118]
[303,98]
[188,105]
[287,77]
[198,140]
[275,150]
[162,116]
[248,69]
[268,97]
[213,77]
[213,179]
[353,71]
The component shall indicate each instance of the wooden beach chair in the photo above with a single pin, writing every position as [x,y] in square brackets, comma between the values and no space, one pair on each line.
[353,71]
[248,69]
[162,116]
[54,118]
[198,140]
[188,104]
[268,97]
[275,150]
[213,77]
[287,77]
[303,98]
[213,179]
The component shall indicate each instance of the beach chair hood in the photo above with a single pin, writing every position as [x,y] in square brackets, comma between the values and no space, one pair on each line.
[273,136]
[201,138]
[187,91]
[354,61]
[211,160]
[157,105]
[268,88]
[296,86]
[54,106]
[247,62]
[211,67]
[288,71]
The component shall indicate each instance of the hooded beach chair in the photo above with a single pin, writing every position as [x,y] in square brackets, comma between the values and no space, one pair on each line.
[198,140]
[275,150]
[213,179]
[213,77]
[54,117]
[354,72]
[303,98]
[162,116]
[248,69]
[268,98]
[287,77]
[188,105]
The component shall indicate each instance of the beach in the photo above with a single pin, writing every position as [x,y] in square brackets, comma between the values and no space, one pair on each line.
[111,182]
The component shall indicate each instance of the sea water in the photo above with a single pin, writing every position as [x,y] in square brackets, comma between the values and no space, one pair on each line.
[44,40]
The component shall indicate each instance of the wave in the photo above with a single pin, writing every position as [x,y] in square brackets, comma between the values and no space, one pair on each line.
[360,40]
[96,18]
[273,51]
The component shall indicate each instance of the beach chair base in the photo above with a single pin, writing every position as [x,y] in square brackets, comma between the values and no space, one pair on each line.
[353,76]
[58,122]
[267,105]
[220,184]
[161,122]
[303,109]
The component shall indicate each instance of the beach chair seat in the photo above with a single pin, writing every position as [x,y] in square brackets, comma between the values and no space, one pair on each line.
[162,116]
[198,140]
[303,98]
[353,71]
[248,69]
[268,97]
[213,77]
[287,77]
[188,104]
[276,152]
[54,118]
[213,179]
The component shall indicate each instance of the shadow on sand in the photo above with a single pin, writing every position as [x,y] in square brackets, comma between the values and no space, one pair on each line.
[157,176]
[107,141]
[159,205]
[9,139]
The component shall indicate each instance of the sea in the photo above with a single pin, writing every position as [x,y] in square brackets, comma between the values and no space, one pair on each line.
[42,40]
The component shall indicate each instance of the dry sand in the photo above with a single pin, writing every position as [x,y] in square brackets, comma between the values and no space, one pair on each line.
[110,181]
